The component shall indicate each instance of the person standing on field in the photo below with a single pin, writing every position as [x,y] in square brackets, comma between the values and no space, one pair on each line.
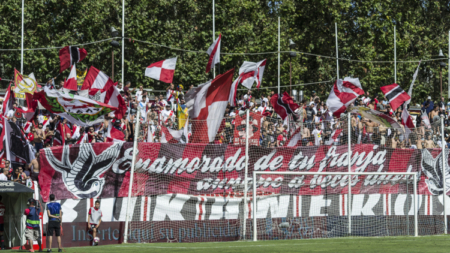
[32,230]
[94,219]
[54,223]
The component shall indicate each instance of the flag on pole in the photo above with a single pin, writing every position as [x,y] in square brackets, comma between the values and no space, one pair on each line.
[18,149]
[206,105]
[170,136]
[395,95]
[113,98]
[284,105]
[162,70]
[24,84]
[214,54]
[249,72]
[71,82]
[77,109]
[343,94]
[68,56]
[412,84]
[8,100]
[96,80]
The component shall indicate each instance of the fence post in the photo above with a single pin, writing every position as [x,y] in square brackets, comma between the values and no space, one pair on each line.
[133,161]
[349,196]
[444,164]
[246,176]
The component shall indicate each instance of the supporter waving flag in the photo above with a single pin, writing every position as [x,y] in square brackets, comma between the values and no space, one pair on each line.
[284,105]
[395,95]
[343,94]
[70,55]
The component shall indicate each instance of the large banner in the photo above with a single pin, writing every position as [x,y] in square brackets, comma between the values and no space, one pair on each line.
[102,170]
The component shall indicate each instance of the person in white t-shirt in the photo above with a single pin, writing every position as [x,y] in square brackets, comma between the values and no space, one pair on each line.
[4,175]
[162,100]
[140,91]
[10,113]
[167,114]
[263,107]
[170,93]
[317,133]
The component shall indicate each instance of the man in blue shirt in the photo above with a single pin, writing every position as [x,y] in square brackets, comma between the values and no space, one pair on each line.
[430,105]
[54,222]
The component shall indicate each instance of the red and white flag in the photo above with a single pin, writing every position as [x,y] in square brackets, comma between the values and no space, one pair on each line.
[170,136]
[334,136]
[113,98]
[162,70]
[8,100]
[206,105]
[115,134]
[214,54]
[68,56]
[71,82]
[395,95]
[343,93]
[76,132]
[96,80]
[27,127]
[295,138]
[249,72]
[284,105]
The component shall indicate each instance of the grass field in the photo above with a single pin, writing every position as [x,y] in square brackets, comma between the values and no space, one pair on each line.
[439,243]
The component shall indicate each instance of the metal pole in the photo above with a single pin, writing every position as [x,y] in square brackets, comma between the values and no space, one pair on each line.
[395,56]
[416,228]
[290,76]
[21,47]
[214,30]
[448,65]
[255,232]
[444,164]
[337,51]
[245,176]
[133,161]
[279,49]
[123,40]
[440,83]
[349,139]
[112,65]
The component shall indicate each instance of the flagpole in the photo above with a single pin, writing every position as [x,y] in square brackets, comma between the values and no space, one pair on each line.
[214,32]
[395,56]
[21,47]
[123,39]
[337,51]
[279,55]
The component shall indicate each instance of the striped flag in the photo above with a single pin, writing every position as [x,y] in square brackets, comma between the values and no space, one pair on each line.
[395,95]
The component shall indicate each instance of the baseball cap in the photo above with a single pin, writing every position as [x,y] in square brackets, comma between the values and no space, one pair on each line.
[429,97]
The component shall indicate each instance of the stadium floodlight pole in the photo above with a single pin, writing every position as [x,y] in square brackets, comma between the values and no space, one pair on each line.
[395,56]
[133,161]
[349,202]
[279,60]
[337,51]
[21,38]
[214,31]
[444,169]
[123,40]
[246,177]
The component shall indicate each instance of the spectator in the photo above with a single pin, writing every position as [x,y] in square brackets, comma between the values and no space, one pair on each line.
[5,175]
[430,106]
[34,168]
[19,176]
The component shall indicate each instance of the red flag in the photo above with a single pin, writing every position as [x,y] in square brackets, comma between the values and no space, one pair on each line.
[395,95]
[214,54]
[96,80]
[162,70]
[68,56]
[240,131]
[343,93]
[71,82]
[113,98]
[207,104]
[284,105]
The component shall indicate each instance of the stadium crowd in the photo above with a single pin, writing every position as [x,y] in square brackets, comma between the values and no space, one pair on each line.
[313,122]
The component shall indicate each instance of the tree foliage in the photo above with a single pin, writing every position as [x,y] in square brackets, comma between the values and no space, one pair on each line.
[365,33]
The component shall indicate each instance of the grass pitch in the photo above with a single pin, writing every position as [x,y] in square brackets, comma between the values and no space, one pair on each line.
[439,243]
